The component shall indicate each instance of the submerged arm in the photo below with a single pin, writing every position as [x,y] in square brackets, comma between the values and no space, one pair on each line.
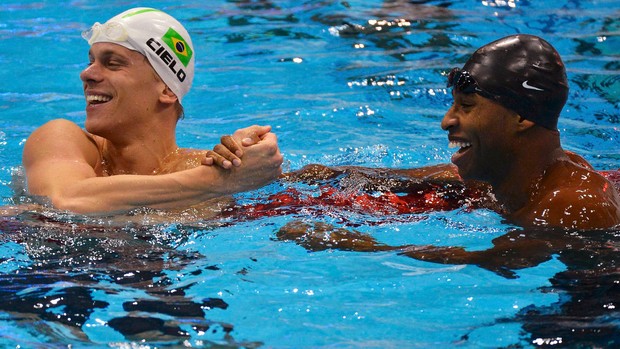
[322,236]
[515,250]
[506,255]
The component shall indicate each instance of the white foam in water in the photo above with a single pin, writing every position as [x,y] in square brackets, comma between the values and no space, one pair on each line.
[414,271]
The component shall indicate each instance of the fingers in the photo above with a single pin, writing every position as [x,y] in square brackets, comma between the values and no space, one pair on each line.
[267,138]
[207,161]
[214,157]
[251,135]
[229,152]
[254,130]
[232,146]
[225,155]
[248,141]
[228,156]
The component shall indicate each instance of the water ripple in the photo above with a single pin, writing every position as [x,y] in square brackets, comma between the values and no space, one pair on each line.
[12,97]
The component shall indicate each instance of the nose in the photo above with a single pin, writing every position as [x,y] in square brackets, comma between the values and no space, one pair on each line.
[91,73]
[449,119]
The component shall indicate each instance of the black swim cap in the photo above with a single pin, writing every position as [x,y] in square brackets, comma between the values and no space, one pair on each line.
[523,73]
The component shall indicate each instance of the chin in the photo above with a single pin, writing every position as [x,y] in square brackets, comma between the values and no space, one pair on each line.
[468,174]
[463,173]
[90,127]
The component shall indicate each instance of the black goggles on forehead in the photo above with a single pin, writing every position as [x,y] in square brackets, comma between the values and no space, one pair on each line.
[462,81]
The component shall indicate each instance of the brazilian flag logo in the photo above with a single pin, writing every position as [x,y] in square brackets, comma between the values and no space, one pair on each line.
[178,45]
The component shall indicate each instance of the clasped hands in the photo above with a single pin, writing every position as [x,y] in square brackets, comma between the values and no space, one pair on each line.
[257,146]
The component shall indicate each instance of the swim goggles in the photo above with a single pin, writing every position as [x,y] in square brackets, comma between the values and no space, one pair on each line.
[464,82]
[110,31]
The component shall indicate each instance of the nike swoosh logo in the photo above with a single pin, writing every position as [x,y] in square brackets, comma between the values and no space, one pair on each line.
[530,87]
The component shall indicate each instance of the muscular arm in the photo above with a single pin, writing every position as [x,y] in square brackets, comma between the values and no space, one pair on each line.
[61,160]
[312,172]
[397,179]
[442,180]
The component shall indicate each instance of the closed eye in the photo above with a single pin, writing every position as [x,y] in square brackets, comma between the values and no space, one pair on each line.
[109,59]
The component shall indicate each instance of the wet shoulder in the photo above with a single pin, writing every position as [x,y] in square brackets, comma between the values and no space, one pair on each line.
[578,159]
[573,196]
[61,138]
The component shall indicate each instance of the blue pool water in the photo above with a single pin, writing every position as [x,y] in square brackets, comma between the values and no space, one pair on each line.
[372,97]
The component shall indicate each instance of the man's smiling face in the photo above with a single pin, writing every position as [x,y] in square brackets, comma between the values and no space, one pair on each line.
[120,87]
[484,133]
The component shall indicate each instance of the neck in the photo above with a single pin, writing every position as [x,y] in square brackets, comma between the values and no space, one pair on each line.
[142,146]
[514,190]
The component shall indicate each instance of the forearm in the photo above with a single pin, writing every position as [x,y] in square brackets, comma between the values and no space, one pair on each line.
[396,180]
[447,172]
[63,163]
[511,254]
[121,193]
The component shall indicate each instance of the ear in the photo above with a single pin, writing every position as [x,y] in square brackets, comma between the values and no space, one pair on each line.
[167,96]
[524,124]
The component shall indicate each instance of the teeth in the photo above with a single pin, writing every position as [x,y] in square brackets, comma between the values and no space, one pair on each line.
[97,98]
[454,144]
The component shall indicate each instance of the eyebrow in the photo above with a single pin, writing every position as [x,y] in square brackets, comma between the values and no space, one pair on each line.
[106,52]
[464,96]
[461,93]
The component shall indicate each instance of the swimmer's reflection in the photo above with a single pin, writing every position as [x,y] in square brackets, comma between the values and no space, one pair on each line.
[74,268]
[589,288]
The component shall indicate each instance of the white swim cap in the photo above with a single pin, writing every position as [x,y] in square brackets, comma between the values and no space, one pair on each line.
[156,35]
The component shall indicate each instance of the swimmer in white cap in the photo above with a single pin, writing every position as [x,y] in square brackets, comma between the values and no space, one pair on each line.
[157,36]
[141,65]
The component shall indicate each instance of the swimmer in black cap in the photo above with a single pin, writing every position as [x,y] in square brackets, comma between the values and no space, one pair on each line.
[507,100]
[524,73]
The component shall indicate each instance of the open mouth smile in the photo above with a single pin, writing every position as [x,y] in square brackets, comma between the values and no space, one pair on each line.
[458,144]
[460,157]
[97,99]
